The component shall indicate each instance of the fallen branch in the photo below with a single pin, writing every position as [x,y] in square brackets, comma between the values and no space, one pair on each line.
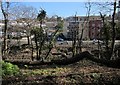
[76,58]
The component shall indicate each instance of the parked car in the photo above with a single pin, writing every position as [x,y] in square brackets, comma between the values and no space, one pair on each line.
[97,41]
[60,39]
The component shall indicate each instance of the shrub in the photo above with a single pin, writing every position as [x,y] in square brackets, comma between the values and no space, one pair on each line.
[9,69]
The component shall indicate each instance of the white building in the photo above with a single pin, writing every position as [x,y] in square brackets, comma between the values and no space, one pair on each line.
[75,24]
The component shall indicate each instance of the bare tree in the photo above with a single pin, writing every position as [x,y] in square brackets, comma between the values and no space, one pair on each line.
[113,30]
[25,18]
[103,7]
[78,36]
[85,24]
[108,27]
[4,8]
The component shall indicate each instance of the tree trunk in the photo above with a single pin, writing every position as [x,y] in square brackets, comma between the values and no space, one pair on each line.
[50,43]
[37,48]
[76,58]
[80,42]
[106,37]
[113,30]
[5,38]
[32,48]
[5,14]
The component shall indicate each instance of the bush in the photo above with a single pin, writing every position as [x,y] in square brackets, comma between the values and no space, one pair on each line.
[9,69]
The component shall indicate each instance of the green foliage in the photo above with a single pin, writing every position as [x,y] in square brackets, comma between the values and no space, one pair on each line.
[38,32]
[41,15]
[95,75]
[60,24]
[9,69]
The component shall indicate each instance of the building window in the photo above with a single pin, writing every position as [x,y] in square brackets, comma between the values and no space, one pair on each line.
[93,24]
[99,25]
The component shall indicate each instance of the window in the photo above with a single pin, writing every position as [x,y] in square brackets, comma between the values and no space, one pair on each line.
[99,25]
[93,24]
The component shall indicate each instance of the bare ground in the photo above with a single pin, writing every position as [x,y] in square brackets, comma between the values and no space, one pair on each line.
[83,73]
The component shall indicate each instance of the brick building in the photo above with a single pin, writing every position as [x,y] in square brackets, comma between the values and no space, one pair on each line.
[94,29]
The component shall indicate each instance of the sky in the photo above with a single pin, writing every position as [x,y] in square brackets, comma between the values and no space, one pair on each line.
[63,9]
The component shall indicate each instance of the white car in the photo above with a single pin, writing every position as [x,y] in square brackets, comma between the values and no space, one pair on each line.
[96,41]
